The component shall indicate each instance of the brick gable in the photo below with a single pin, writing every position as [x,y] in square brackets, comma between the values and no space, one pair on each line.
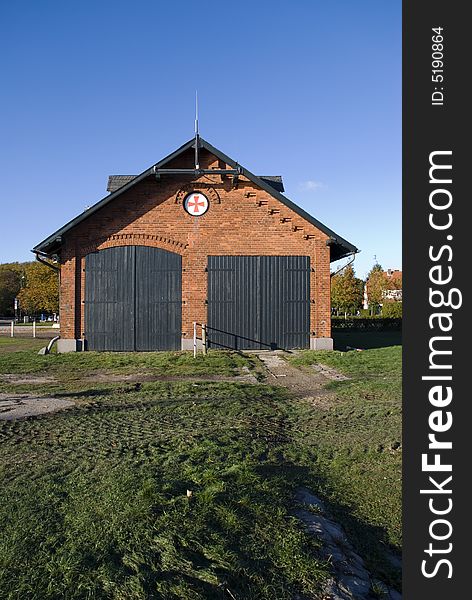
[242,220]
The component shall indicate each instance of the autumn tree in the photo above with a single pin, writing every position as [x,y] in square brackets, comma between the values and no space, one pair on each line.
[346,291]
[377,283]
[40,292]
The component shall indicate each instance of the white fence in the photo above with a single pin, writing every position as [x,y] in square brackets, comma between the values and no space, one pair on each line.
[8,328]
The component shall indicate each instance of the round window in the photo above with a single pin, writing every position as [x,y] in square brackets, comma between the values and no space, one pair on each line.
[196,204]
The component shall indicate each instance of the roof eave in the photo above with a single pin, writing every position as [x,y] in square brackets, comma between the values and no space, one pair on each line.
[346,247]
[42,246]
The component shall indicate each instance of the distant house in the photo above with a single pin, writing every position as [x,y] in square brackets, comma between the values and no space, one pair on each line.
[393,293]
[394,274]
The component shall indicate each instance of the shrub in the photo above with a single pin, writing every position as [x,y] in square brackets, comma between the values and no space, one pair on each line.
[392,310]
[367,324]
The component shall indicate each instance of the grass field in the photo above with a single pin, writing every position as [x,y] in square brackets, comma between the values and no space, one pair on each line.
[17,344]
[94,499]
[76,365]
[357,444]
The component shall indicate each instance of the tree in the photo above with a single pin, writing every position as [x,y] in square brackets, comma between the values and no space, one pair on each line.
[377,283]
[10,282]
[346,291]
[41,290]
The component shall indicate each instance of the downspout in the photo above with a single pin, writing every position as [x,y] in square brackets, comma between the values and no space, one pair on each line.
[346,265]
[45,262]
[58,271]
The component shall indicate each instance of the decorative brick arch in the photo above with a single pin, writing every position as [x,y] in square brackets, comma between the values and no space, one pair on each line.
[136,239]
[205,188]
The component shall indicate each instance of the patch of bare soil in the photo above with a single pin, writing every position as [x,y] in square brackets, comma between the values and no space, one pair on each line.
[303,382]
[20,379]
[104,377]
[21,406]
[330,373]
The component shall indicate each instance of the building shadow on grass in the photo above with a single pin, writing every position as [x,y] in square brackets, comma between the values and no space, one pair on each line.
[282,479]
[344,339]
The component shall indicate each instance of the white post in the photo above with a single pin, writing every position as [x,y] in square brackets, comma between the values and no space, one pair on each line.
[34,328]
[204,338]
[12,329]
[194,339]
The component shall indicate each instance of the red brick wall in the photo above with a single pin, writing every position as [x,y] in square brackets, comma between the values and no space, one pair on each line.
[240,221]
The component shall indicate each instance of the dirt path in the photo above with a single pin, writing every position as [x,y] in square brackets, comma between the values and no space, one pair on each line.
[20,406]
[283,373]
[304,382]
[102,377]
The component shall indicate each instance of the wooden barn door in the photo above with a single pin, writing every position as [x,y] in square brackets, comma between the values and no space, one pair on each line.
[133,299]
[158,299]
[109,299]
[259,302]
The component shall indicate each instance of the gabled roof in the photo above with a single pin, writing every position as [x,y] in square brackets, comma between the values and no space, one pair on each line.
[339,246]
[274,181]
[117,181]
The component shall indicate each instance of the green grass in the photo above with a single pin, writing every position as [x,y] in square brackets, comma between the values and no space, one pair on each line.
[94,498]
[94,501]
[78,364]
[356,440]
[8,344]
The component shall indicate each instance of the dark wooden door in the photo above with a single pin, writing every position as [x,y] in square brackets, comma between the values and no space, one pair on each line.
[259,302]
[133,299]
[158,299]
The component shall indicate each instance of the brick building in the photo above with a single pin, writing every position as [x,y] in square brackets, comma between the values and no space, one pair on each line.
[194,238]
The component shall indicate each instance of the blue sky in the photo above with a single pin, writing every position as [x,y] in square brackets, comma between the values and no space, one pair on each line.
[310,90]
